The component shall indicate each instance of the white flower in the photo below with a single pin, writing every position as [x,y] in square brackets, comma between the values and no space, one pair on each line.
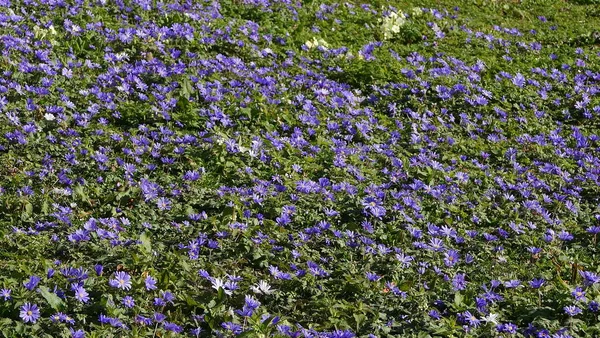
[217,283]
[316,43]
[262,287]
[61,191]
[323,43]
[391,24]
[49,117]
[122,56]
[491,318]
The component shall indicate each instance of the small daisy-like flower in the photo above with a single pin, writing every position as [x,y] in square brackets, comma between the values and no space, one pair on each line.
[128,302]
[5,293]
[55,318]
[262,287]
[81,295]
[578,294]
[491,318]
[163,204]
[150,283]
[471,319]
[572,310]
[121,280]
[29,313]
[536,283]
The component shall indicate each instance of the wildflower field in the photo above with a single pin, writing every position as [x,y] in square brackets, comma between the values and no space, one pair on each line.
[283,168]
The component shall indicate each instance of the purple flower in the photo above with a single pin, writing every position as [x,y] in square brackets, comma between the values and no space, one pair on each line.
[168,296]
[66,318]
[251,302]
[29,313]
[511,284]
[159,317]
[172,327]
[578,294]
[471,319]
[519,80]
[141,320]
[159,302]
[250,305]
[435,314]
[191,175]
[507,328]
[5,293]
[77,334]
[451,257]
[342,334]
[572,310]
[81,295]
[373,277]
[233,327]
[374,207]
[458,282]
[536,283]
[150,190]
[150,283]
[278,274]
[593,229]
[128,302]
[121,280]
[589,278]
[565,236]
[32,283]
[163,203]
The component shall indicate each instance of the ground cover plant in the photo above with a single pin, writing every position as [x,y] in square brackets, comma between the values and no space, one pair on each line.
[283,168]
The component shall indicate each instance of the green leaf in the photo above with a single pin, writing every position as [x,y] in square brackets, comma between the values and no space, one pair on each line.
[146,242]
[28,208]
[221,295]
[53,300]
[249,333]
[458,299]
[359,318]
[265,323]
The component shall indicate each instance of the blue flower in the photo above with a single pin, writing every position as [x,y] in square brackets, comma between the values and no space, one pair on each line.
[32,283]
[150,283]
[536,283]
[121,280]
[458,282]
[29,313]
[572,310]
[163,203]
[81,294]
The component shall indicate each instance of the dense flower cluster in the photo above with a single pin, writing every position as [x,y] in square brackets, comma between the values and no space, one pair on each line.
[275,168]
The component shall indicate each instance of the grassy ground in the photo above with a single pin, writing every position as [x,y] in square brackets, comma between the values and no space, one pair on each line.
[255,169]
